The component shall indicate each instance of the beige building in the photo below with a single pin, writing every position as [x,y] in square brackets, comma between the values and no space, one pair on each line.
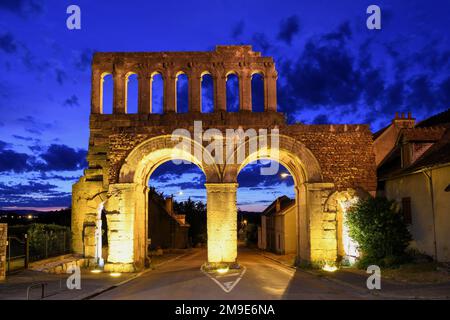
[416,173]
[277,231]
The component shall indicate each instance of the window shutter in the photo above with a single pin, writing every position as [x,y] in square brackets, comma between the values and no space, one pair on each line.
[406,210]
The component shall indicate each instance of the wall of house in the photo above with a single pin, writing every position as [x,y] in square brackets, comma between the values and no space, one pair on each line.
[416,186]
[3,241]
[441,179]
[290,234]
[163,230]
[279,234]
[262,234]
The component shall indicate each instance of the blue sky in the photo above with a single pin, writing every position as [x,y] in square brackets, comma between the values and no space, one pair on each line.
[332,69]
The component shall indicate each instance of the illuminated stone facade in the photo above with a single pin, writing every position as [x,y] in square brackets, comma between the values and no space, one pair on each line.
[124,149]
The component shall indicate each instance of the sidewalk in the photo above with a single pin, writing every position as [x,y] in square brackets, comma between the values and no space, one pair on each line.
[356,279]
[15,286]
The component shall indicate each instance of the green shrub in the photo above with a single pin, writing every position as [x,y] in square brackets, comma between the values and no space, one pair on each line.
[378,228]
[48,240]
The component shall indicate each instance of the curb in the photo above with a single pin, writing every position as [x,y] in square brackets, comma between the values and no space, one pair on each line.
[359,289]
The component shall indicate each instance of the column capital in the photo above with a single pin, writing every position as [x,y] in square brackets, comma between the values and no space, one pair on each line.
[221,187]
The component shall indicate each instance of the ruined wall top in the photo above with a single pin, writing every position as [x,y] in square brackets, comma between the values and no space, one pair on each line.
[222,54]
[241,61]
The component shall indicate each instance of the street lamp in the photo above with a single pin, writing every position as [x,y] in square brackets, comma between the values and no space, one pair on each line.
[284,175]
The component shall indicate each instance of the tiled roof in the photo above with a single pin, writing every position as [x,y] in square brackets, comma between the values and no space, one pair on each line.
[285,202]
[437,154]
[437,119]
[429,134]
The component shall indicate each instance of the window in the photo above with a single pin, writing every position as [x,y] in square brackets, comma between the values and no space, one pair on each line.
[232,93]
[406,210]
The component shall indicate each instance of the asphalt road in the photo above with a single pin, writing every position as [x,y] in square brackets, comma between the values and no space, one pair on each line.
[260,279]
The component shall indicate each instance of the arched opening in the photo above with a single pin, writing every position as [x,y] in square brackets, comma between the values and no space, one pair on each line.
[347,248]
[232,88]
[132,93]
[182,93]
[305,171]
[257,92]
[157,89]
[176,207]
[107,92]
[268,208]
[207,96]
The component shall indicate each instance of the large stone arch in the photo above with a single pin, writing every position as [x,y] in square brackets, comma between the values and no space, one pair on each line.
[149,154]
[127,204]
[314,241]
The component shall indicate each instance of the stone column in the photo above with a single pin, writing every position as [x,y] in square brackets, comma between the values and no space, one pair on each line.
[245,91]
[170,92]
[220,92]
[87,197]
[195,93]
[96,91]
[221,222]
[145,93]
[323,243]
[3,241]
[270,88]
[120,214]
[120,92]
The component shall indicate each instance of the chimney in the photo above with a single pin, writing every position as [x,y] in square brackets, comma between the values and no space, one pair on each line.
[402,121]
[169,205]
[278,205]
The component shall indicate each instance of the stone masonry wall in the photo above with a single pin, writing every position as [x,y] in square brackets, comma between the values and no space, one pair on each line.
[3,241]
[344,152]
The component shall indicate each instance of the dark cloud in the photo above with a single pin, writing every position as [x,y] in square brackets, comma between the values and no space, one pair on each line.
[32,194]
[324,74]
[12,161]
[22,138]
[250,176]
[321,119]
[55,158]
[237,30]
[170,171]
[83,61]
[260,42]
[72,101]
[289,27]
[195,184]
[61,76]
[22,7]
[47,176]
[63,158]
[7,43]
[333,72]
[34,126]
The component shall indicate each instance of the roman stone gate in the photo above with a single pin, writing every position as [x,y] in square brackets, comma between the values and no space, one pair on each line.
[327,162]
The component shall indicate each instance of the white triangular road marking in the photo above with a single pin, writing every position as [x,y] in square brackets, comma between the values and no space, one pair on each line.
[228,285]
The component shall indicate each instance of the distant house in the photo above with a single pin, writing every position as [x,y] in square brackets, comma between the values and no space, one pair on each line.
[166,229]
[414,169]
[277,231]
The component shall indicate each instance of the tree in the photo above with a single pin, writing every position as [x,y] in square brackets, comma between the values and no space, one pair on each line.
[380,231]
